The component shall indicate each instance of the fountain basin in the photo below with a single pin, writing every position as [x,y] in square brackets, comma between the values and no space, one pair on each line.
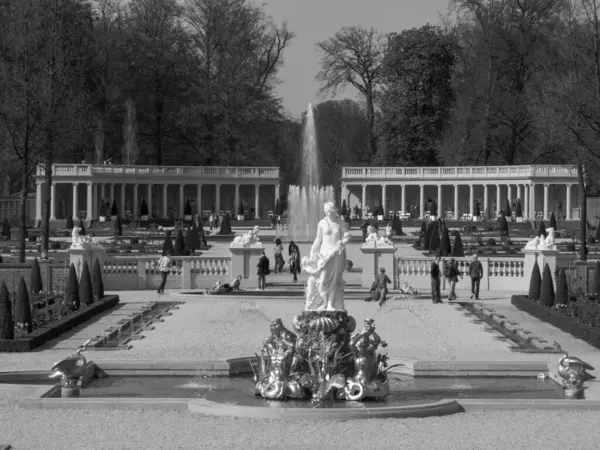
[208,388]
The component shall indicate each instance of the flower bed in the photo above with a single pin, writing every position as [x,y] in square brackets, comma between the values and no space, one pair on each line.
[53,329]
[581,318]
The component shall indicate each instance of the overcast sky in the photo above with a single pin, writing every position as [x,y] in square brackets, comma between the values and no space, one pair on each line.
[316,20]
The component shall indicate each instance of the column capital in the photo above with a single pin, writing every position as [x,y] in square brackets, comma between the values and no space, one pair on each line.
[89,183]
[364,185]
[546,185]
[54,183]
[39,183]
[75,183]
[569,185]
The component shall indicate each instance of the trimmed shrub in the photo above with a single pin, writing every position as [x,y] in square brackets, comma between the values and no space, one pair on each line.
[6,229]
[547,293]
[570,246]
[241,209]
[113,210]
[562,288]
[427,235]
[344,210]
[82,232]
[179,243]
[397,225]
[86,294]
[490,241]
[23,318]
[187,208]
[118,227]
[278,210]
[35,281]
[519,211]
[72,290]
[596,282]
[507,210]
[535,284]
[225,225]
[434,243]
[69,224]
[457,249]
[503,227]
[144,208]
[7,326]
[192,241]
[97,282]
[445,247]
[433,210]
[55,245]
[477,210]
[168,244]
[542,229]
[134,241]
[553,221]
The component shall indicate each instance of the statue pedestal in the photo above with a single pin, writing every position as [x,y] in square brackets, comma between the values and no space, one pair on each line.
[375,258]
[80,255]
[244,261]
[542,257]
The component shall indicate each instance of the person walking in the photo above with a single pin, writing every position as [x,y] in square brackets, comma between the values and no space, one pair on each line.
[278,252]
[294,266]
[451,272]
[293,248]
[435,272]
[164,267]
[476,273]
[211,221]
[263,271]
[382,281]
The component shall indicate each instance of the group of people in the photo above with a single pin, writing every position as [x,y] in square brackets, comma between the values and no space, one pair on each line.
[263,266]
[451,272]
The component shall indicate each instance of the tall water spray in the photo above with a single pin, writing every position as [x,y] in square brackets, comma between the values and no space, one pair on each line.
[305,203]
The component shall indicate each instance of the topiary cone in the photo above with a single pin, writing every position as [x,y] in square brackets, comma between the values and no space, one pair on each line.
[36,278]
[542,229]
[69,223]
[535,283]
[547,294]
[179,243]
[97,282]
[23,307]
[596,282]
[168,245]
[7,326]
[445,247]
[86,295]
[562,289]
[72,290]
[553,221]
[458,250]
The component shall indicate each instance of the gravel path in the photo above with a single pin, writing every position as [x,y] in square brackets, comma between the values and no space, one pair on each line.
[83,430]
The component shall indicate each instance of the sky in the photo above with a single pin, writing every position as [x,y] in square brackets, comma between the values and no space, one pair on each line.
[314,21]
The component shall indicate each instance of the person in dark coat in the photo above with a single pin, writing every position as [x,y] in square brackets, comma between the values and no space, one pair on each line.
[382,281]
[364,228]
[294,266]
[263,271]
[452,272]
[435,272]
[293,248]
[476,273]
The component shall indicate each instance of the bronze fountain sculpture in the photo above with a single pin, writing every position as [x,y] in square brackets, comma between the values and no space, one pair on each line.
[573,372]
[325,362]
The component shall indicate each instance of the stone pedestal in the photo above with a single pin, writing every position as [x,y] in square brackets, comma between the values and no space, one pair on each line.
[375,258]
[80,255]
[244,261]
[542,257]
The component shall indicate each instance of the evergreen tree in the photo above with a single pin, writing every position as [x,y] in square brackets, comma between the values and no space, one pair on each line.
[547,292]
[179,243]
[225,225]
[553,221]
[97,282]
[445,247]
[597,233]
[433,210]
[35,280]
[435,237]
[114,211]
[427,235]
[458,250]
[69,224]
[86,294]
[344,210]
[82,232]
[168,245]
[192,241]
[118,227]
[542,229]
[7,326]
[6,229]
[187,208]
[503,226]
[507,210]
[397,225]
[562,288]
[535,283]
[477,210]
[278,210]
[23,307]
[241,209]
[72,291]
[519,212]
[144,208]
[596,280]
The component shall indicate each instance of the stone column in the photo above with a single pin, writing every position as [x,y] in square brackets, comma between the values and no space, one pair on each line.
[532,202]
[38,200]
[199,199]
[101,191]
[421,201]
[257,201]
[75,201]
[403,197]
[568,203]
[526,202]
[456,212]
[112,193]
[508,193]
[364,197]
[439,202]
[277,194]
[164,201]
[149,202]
[218,200]
[123,187]
[383,198]
[546,216]
[181,200]
[136,211]
[471,200]
[519,193]
[486,212]
[94,200]
[236,200]
[498,199]
[89,202]
[53,201]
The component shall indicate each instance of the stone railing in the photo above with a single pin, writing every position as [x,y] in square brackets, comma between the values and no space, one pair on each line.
[87,170]
[506,274]
[187,272]
[457,173]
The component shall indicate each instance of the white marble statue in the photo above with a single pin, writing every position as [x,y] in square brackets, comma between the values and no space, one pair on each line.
[81,242]
[326,264]
[548,243]
[76,241]
[533,244]
[249,239]
[374,240]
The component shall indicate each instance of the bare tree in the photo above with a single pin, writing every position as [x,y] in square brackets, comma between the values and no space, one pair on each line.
[353,56]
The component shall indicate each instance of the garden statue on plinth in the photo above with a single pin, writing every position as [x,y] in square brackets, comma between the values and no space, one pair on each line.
[81,242]
[374,240]
[541,242]
[72,369]
[250,239]
[323,362]
[573,372]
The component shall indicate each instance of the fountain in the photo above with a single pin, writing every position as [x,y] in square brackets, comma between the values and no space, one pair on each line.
[304,202]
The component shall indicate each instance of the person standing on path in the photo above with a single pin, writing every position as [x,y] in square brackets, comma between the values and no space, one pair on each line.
[164,267]
[294,257]
[263,271]
[278,252]
[452,273]
[476,273]
[435,272]
[382,282]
